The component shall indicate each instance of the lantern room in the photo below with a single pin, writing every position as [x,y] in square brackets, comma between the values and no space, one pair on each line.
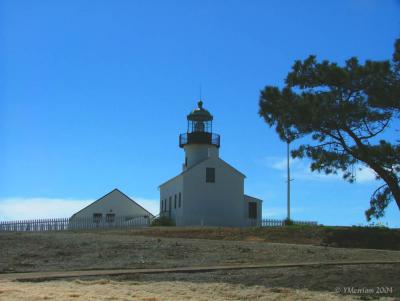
[199,128]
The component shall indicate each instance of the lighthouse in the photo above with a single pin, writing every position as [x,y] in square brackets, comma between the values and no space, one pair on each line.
[199,142]
[208,191]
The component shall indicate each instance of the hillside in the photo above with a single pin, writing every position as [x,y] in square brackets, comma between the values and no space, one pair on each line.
[345,237]
[185,247]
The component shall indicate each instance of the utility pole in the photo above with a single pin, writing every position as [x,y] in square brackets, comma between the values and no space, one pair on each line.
[288,180]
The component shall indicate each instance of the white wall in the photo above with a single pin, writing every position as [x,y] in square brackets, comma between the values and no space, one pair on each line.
[195,153]
[213,204]
[170,189]
[114,202]
[257,221]
[222,203]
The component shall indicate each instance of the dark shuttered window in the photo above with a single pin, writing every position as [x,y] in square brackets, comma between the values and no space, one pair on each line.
[252,210]
[210,175]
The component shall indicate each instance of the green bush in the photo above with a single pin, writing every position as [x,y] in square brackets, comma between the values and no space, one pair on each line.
[162,221]
[288,222]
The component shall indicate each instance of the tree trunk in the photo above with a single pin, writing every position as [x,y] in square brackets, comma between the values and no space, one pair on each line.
[393,186]
[387,176]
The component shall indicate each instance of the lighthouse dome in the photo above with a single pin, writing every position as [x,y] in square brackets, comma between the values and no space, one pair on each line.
[200,114]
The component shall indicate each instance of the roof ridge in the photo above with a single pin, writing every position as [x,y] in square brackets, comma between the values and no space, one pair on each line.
[115,189]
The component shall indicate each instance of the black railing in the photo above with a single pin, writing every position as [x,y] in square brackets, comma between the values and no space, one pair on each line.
[199,138]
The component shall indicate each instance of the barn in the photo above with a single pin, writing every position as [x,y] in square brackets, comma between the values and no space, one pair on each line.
[111,208]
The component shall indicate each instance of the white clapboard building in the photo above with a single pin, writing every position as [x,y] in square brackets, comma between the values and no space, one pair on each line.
[208,191]
[114,207]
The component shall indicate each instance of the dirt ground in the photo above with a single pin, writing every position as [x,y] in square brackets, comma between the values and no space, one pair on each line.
[320,278]
[105,289]
[24,252]
[348,237]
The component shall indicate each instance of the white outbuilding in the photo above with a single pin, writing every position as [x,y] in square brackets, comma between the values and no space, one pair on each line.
[111,208]
[208,191]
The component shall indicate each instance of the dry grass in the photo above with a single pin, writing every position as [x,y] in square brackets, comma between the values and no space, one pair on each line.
[158,248]
[154,291]
[26,252]
[347,237]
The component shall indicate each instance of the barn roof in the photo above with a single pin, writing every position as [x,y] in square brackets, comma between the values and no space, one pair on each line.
[119,191]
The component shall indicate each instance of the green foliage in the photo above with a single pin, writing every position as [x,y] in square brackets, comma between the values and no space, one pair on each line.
[344,110]
[376,224]
[162,221]
[288,222]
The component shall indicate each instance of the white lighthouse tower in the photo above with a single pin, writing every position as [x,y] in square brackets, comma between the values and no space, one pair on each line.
[199,142]
[208,191]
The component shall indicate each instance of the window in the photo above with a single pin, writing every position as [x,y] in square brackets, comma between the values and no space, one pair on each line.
[252,210]
[169,206]
[210,175]
[175,202]
[97,217]
[110,217]
[180,200]
[165,205]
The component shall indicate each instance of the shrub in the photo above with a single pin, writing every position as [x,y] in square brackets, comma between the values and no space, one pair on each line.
[162,221]
[288,222]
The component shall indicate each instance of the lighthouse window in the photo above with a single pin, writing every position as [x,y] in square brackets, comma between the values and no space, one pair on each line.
[175,202]
[180,200]
[210,175]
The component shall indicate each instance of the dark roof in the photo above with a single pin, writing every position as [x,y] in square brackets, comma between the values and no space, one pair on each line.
[200,114]
[252,197]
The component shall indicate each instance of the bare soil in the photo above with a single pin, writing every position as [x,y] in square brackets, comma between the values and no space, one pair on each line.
[346,237]
[320,278]
[104,289]
[57,251]
[158,248]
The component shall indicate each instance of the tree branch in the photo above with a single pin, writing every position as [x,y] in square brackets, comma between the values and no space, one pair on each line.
[373,134]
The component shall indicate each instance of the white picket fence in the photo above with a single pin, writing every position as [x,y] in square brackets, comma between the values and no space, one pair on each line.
[120,222]
[281,223]
[61,224]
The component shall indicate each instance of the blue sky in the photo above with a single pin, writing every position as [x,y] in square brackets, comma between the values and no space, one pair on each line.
[93,96]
